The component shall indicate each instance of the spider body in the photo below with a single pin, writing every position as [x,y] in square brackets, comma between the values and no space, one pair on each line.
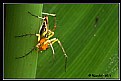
[44,36]
[43,44]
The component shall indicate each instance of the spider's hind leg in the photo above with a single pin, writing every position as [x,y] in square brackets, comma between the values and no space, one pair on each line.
[65,55]
[26,54]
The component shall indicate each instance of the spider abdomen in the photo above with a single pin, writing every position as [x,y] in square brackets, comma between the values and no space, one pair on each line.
[43,44]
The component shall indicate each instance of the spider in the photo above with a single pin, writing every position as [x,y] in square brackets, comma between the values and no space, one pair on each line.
[44,35]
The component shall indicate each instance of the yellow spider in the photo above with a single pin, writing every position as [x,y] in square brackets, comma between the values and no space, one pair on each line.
[44,36]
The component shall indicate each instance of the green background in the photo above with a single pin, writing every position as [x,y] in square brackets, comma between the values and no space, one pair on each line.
[87,54]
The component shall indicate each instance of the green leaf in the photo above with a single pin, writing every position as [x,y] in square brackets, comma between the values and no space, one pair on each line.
[89,48]
[88,33]
[18,22]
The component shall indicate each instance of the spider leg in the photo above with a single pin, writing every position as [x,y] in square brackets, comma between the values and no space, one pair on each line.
[26,35]
[27,53]
[48,14]
[39,18]
[38,35]
[65,55]
[36,16]
[53,52]
[54,24]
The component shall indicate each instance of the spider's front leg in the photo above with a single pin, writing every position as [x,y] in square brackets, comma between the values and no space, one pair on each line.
[35,15]
[24,35]
[48,14]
